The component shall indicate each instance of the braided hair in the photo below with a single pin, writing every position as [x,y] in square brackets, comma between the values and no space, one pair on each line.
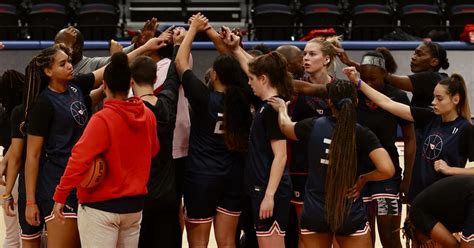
[36,79]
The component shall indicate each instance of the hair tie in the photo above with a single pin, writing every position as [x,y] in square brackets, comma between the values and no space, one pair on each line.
[343,101]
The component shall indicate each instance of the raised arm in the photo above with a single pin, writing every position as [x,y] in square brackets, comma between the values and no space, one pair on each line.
[199,24]
[309,89]
[401,82]
[287,127]
[232,41]
[399,109]
[152,44]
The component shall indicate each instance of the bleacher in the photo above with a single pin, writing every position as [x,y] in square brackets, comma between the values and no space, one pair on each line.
[261,19]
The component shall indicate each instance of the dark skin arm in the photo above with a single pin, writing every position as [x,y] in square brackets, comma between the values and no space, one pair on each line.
[309,89]
[401,82]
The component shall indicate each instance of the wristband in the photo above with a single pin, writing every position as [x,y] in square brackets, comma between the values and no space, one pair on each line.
[29,203]
[359,84]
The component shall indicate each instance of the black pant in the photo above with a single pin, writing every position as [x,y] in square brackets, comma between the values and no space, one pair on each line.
[160,225]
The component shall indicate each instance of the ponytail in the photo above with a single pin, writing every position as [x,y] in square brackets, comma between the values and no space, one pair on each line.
[455,84]
[342,168]
[237,116]
[237,119]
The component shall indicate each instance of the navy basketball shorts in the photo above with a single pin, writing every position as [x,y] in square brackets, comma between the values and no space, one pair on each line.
[299,184]
[204,196]
[313,218]
[281,213]
[27,231]
[48,178]
[385,195]
[467,234]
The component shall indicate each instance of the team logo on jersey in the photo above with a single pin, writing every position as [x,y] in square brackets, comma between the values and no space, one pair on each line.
[433,146]
[79,112]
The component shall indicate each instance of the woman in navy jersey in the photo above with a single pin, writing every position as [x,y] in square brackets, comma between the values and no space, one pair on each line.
[318,60]
[266,177]
[57,109]
[444,146]
[383,197]
[429,217]
[338,151]
[219,135]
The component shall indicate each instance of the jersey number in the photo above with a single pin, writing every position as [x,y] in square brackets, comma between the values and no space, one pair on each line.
[219,124]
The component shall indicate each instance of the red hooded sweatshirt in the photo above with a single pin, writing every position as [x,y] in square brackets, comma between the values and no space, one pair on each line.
[124,134]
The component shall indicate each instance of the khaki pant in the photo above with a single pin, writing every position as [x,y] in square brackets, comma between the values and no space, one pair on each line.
[102,229]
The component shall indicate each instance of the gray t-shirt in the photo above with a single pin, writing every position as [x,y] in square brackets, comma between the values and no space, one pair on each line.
[88,65]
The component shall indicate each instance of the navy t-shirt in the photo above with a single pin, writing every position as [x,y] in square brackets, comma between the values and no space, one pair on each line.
[260,154]
[61,118]
[319,133]
[423,86]
[301,108]
[439,140]
[382,123]
[208,154]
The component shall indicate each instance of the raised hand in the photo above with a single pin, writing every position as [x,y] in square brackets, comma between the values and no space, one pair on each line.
[352,74]
[341,53]
[178,35]
[148,32]
[115,47]
[155,44]
[231,40]
[199,22]
[167,35]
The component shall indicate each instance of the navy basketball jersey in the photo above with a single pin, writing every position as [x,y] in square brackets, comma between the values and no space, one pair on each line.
[319,133]
[440,140]
[260,154]
[60,118]
[208,153]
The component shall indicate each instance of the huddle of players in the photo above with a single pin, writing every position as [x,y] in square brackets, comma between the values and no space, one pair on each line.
[238,140]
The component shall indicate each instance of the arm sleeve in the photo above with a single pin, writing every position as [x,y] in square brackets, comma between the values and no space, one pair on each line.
[15,120]
[368,140]
[96,63]
[93,142]
[272,128]
[85,82]
[303,128]
[195,91]
[421,115]
[40,117]
[424,83]
[168,96]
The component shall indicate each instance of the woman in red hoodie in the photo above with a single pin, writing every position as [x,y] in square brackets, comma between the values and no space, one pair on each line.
[124,134]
